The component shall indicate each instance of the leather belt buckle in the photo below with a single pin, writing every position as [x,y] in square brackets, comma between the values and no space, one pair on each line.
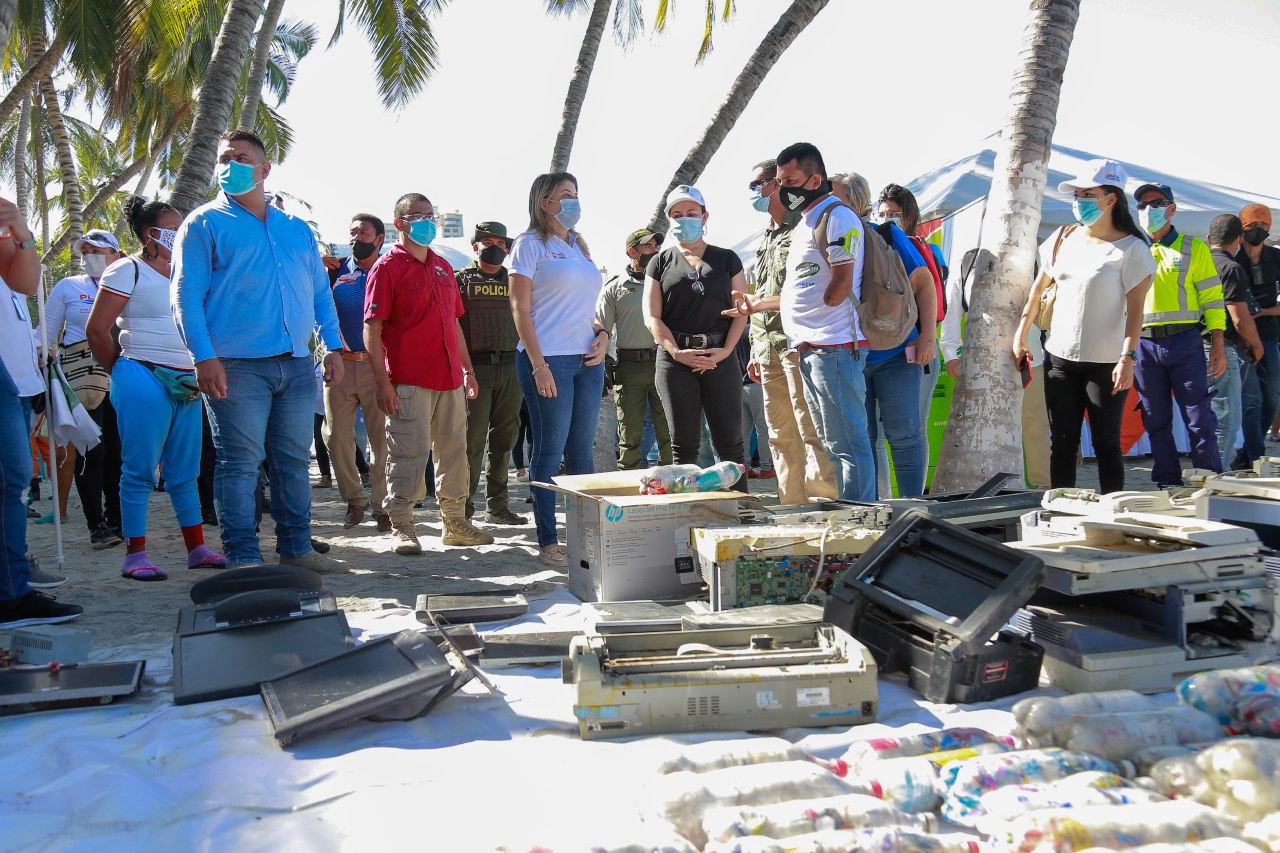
[697,341]
[348,355]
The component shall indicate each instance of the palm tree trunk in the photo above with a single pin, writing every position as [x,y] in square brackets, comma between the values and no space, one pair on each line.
[793,21]
[72,206]
[112,186]
[21,180]
[48,58]
[42,195]
[213,110]
[258,66]
[984,433]
[578,85]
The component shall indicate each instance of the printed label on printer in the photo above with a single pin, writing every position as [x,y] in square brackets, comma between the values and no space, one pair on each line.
[997,671]
[813,697]
[765,699]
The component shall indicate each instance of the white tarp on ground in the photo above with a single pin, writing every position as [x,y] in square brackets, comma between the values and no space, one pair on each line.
[477,773]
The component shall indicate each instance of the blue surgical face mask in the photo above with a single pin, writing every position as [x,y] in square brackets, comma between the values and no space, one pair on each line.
[687,229]
[236,178]
[570,212]
[422,232]
[1086,210]
[760,202]
[1151,219]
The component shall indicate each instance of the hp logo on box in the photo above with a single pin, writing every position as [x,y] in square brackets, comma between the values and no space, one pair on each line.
[613,513]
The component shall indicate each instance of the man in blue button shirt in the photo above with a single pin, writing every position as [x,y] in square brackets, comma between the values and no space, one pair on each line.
[249,289]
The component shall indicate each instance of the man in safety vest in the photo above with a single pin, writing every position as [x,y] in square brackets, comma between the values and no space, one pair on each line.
[1170,357]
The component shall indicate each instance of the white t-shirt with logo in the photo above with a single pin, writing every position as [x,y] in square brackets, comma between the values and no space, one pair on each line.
[566,285]
[17,343]
[147,330]
[68,305]
[1093,278]
[805,317]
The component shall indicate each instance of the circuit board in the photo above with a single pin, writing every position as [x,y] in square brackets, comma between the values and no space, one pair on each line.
[781,579]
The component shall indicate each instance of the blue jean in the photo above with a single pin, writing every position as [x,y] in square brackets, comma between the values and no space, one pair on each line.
[836,392]
[648,441]
[1225,403]
[1259,397]
[155,430]
[564,427]
[267,413]
[15,475]
[1169,370]
[893,393]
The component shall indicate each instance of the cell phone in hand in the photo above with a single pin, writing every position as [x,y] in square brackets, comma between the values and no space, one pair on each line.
[1024,368]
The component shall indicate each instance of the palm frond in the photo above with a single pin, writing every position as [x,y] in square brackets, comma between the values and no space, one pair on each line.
[628,22]
[404,48]
[567,8]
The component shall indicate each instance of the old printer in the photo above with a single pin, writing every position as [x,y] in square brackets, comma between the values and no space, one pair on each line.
[1141,601]
[721,679]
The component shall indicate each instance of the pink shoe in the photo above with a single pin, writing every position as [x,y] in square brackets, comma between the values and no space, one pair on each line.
[201,557]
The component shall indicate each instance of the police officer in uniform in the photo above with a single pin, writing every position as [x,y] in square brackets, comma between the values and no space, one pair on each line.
[1170,361]
[620,312]
[493,417]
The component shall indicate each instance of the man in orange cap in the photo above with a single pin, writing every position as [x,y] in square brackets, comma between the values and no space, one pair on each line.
[1260,386]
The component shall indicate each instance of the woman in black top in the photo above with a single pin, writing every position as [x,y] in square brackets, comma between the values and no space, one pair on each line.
[686,288]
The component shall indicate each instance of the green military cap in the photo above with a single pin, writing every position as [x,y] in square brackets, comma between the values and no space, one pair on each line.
[643,235]
[490,229]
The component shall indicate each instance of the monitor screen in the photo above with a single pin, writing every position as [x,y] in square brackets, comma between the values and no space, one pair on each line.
[361,670]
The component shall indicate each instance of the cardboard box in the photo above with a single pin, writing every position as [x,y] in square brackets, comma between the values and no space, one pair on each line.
[625,546]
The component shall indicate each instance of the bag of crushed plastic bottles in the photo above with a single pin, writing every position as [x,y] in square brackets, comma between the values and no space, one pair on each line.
[1240,777]
[885,839]
[1091,788]
[911,783]
[718,754]
[1208,845]
[1123,735]
[1221,693]
[969,780]
[1069,830]
[867,752]
[1037,719]
[800,817]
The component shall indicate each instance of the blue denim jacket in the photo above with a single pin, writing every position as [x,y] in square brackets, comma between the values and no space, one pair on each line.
[248,288]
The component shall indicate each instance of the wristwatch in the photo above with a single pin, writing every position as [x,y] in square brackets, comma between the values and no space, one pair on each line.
[25,245]
[1131,354]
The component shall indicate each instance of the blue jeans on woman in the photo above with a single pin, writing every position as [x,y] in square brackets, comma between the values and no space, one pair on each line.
[835,390]
[893,390]
[156,430]
[564,427]
[267,413]
[15,475]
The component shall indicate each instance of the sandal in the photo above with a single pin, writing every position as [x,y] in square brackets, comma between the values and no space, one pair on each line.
[201,557]
[137,566]
[554,555]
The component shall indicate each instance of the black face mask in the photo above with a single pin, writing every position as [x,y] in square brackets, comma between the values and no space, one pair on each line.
[795,198]
[361,250]
[644,259]
[492,255]
[1256,235]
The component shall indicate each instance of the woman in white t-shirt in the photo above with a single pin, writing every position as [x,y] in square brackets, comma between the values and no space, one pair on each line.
[153,389]
[1102,273]
[554,286]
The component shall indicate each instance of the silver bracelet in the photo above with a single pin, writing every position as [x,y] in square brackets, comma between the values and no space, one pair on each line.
[539,367]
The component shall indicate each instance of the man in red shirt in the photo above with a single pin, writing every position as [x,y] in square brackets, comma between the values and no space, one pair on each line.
[421,368]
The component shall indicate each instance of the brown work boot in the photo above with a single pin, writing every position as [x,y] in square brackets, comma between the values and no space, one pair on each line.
[505,516]
[355,515]
[384,522]
[459,531]
[407,543]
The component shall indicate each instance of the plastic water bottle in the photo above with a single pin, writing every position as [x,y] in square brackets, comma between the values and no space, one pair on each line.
[1261,715]
[911,783]
[1205,845]
[1090,788]
[867,752]
[1036,719]
[973,778]
[1113,827]
[722,475]
[1122,736]
[1221,692]
[1146,759]
[799,817]
[662,479]
[885,839]
[1244,776]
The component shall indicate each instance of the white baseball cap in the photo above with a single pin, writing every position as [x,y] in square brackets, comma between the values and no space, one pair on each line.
[97,238]
[1096,173]
[684,192]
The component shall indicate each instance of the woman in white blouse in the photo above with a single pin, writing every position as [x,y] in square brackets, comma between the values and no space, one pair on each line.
[1102,270]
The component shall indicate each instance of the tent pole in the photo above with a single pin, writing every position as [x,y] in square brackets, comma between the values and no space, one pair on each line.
[50,412]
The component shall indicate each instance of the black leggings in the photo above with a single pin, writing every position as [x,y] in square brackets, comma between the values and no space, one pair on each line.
[322,452]
[1072,388]
[524,436]
[686,396]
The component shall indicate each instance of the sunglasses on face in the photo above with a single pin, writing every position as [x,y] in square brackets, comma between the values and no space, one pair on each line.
[1158,204]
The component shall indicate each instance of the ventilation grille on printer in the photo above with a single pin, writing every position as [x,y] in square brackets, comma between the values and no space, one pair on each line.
[1026,622]
[703,706]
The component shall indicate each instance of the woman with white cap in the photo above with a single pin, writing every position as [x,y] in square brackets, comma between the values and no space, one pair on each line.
[1100,273]
[687,288]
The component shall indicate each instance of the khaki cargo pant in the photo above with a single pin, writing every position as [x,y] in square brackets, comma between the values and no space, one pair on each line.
[357,390]
[427,421]
[805,470]
[1035,430]
[493,423]
[637,393]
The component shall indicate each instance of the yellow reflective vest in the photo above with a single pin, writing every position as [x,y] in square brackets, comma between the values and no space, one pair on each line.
[1186,286]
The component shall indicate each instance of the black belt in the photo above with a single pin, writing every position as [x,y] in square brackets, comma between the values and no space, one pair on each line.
[493,357]
[1155,333]
[699,341]
[637,354]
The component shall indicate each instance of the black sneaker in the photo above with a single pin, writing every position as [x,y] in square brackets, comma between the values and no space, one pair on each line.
[102,538]
[36,608]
